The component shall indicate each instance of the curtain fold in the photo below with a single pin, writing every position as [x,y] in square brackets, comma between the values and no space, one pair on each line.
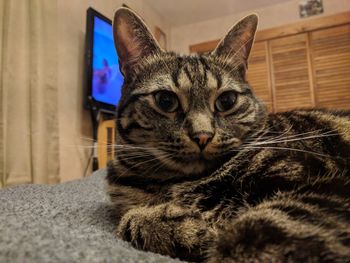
[29,149]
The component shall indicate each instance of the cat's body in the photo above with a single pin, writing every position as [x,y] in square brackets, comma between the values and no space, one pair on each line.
[204,173]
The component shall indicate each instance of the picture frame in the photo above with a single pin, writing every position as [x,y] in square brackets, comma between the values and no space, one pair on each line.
[309,8]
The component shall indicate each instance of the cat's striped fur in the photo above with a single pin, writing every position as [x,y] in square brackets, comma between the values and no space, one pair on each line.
[262,188]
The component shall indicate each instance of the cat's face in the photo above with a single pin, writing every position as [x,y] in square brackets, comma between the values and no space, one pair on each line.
[187,112]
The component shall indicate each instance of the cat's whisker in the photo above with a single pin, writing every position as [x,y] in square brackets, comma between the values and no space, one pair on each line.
[126,152]
[267,135]
[109,146]
[291,140]
[144,153]
[159,165]
[284,133]
[144,162]
[131,147]
[87,139]
[299,136]
[150,168]
[285,148]
[272,137]
[134,157]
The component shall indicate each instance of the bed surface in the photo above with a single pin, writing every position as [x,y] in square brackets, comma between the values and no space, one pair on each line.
[69,222]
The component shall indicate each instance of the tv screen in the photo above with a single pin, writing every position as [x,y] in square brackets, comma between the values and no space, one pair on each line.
[104,77]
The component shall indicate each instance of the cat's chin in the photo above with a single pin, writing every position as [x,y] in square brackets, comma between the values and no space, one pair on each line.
[192,167]
[197,164]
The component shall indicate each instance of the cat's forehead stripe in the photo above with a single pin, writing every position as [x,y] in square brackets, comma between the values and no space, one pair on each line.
[195,72]
[183,79]
[211,80]
[201,69]
[189,76]
[175,76]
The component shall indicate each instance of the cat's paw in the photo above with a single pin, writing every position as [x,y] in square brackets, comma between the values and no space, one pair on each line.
[165,230]
[143,228]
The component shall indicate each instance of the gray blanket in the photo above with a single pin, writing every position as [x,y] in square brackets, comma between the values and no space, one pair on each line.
[69,222]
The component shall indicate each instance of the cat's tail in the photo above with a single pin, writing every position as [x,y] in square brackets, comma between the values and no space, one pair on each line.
[299,228]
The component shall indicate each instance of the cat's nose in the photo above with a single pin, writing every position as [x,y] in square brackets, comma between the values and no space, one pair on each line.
[202,139]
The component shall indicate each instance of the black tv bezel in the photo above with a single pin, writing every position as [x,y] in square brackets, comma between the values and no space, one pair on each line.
[89,45]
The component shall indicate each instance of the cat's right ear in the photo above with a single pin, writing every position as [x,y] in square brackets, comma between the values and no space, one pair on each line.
[132,39]
[237,43]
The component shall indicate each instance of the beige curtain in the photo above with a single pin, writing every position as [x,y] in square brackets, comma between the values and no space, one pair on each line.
[29,151]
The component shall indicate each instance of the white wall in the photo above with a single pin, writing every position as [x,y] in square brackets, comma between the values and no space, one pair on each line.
[271,16]
[74,121]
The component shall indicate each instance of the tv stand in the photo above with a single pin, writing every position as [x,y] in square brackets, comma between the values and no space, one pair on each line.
[103,123]
[106,143]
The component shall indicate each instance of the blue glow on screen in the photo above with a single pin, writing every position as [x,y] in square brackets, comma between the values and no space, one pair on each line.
[107,79]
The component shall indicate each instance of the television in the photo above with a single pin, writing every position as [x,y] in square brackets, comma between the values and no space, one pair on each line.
[103,79]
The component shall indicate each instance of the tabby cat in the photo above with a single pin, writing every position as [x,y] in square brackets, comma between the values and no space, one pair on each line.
[204,173]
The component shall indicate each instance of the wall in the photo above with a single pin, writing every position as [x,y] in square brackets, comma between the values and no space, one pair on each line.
[74,121]
[271,16]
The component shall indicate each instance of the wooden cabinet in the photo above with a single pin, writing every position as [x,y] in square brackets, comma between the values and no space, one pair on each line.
[304,70]
[106,143]
[290,72]
[304,65]
[330,54]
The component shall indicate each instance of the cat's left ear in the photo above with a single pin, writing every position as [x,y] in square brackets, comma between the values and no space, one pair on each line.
[236,45]
[132,39]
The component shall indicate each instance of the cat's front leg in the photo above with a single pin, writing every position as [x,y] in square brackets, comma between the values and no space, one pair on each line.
[166,229]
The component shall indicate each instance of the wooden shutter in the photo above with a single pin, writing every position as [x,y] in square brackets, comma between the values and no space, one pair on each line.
[258,73]
[330,52]
[290,72]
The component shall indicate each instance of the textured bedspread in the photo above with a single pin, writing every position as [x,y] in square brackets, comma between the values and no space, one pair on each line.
[69,222]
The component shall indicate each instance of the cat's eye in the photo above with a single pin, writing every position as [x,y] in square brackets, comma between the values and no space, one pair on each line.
[167,101]
[225,101]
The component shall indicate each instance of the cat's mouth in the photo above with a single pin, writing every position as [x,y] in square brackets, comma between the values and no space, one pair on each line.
[191,163]
[197,163]
[200,158]
[194,162]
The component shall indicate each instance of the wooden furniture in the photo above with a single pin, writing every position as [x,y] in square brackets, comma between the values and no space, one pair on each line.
[303,65]
[106,144]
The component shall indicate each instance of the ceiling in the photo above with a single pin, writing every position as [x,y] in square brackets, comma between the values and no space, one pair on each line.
[182,12]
